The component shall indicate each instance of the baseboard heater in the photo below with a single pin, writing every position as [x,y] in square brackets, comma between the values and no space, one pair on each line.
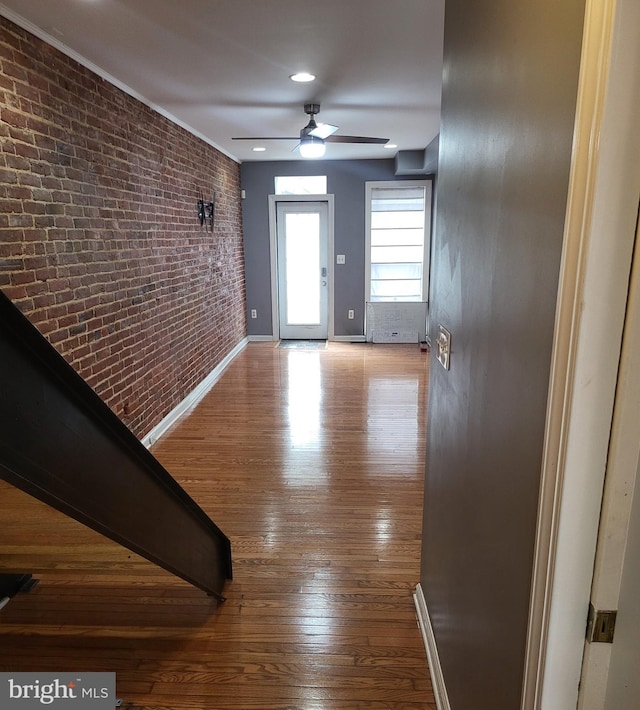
[402,322]
[395,336]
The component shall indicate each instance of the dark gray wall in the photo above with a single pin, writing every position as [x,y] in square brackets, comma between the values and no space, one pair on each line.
[508,106]
[346,180]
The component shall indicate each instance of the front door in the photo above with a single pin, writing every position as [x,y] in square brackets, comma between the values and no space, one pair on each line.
[302,270]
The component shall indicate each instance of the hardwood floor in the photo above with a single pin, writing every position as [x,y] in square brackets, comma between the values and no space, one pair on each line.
[312,463]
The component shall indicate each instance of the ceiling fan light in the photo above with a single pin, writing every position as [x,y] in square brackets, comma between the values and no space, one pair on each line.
[312,147]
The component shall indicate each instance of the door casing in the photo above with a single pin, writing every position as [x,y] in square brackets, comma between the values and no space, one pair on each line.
[594,284]
[273,252]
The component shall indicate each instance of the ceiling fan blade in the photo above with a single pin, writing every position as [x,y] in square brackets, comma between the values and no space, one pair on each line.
[267,138]
[356,139]
[323,130]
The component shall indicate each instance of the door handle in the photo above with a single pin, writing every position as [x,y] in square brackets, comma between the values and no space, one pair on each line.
[324,283]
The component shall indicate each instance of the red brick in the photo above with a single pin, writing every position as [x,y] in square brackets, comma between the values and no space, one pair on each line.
[105,256]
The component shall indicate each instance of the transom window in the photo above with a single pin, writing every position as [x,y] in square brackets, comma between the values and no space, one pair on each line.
[301,185]
[398,220]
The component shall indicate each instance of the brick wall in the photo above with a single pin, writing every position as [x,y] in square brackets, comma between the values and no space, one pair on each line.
[99,240]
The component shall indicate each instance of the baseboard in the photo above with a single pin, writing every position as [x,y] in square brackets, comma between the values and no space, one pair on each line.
[261,339]
[435,669]
[349,338]
[194,397]
[336,339]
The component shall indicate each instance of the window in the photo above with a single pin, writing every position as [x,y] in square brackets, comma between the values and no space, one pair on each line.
[398,226]
[301,185]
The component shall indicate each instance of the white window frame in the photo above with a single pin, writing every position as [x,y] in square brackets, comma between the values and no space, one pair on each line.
[369,187]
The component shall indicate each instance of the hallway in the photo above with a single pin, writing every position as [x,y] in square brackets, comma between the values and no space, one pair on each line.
[312,462]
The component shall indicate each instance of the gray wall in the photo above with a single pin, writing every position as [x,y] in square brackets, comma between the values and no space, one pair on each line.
[509,95]
[345,180]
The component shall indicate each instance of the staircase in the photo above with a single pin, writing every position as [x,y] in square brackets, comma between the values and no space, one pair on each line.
[60,443]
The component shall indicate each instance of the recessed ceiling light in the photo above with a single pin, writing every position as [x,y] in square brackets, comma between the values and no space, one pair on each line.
[390,145]
[302,77]
[259,149]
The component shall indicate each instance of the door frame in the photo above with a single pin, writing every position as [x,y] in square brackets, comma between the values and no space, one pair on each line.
[620,509]
[594,282]
[273,257]
[309,330]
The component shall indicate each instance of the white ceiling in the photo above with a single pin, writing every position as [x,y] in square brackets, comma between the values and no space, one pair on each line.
[221,67]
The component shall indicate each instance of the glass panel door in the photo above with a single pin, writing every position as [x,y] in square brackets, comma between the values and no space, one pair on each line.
[302,270]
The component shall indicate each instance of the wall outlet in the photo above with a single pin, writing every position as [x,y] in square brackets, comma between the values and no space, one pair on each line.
[340,259]
[254,313]
[350,314]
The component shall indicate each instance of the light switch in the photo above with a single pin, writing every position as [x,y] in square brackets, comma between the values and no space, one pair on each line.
[340,259]
[443,346]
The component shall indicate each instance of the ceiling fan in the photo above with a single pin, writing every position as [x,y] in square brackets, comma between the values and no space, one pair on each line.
[314,136]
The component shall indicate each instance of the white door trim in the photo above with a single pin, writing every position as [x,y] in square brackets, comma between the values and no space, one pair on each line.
[598,244]
[320,279]
[273,255]
[616,516]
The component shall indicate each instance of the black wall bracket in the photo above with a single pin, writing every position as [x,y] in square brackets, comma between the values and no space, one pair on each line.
[206,212]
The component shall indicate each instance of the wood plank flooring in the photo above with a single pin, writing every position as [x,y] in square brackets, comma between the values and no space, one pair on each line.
[312,463]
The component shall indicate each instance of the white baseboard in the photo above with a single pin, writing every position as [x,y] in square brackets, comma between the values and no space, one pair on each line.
[435,669]
[349,338]
[336,339]
[194,397]
[262,339]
